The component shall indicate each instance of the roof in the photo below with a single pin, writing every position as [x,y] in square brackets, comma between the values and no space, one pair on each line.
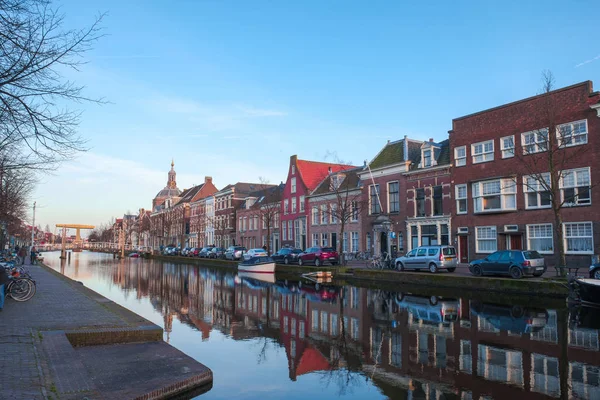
[189,194]
[393,153]
[269,195]
[312,360]
[313,172]
[351,181]
[444,157]
[244,188]
[168,192]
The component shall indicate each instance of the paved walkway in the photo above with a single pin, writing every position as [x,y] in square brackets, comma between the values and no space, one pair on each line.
[38,358]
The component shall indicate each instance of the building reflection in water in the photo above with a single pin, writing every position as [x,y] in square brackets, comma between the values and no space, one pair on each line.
[408,345]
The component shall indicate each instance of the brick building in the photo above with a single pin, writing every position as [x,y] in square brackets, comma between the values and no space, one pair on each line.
[259,209]
[337,199]
[495,155]
[303,177]
[384,220]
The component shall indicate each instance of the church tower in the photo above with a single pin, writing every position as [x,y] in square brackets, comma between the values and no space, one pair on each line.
[172,181]
[171,190]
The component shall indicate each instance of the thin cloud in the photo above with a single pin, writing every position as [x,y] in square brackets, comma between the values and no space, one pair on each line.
[588,61]
[258,112]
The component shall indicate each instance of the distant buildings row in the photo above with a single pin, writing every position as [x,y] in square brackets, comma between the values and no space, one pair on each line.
[494,183]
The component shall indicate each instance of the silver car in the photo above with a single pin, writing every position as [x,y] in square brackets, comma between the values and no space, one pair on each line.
[430,258]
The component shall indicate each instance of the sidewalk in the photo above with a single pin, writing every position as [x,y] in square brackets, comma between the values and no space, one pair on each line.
[57,345]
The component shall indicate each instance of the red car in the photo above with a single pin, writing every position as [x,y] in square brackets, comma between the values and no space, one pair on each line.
[318,256]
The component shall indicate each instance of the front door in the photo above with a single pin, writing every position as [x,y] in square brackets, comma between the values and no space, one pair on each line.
[383,242]
[334,240]
[515,242]
[463,248]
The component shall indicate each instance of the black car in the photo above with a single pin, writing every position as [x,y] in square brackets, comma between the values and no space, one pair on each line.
[217,252]
[515,263]
[286,256]
[205,252]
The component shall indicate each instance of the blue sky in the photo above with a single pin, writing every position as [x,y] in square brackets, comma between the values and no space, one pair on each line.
[231,89]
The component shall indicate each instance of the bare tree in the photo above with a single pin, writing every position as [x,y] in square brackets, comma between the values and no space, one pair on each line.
[35,48]
[546,159]
[267,207]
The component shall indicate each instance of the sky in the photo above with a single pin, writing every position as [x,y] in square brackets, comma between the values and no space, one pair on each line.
[232,89]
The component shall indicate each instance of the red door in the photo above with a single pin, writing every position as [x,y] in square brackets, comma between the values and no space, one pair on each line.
[463,249]
[515,242]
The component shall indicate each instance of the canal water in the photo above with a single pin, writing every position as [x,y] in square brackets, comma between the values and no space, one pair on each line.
[290,339]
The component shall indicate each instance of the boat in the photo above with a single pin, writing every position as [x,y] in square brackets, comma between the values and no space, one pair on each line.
[588,290]
[260,265]
[268,278]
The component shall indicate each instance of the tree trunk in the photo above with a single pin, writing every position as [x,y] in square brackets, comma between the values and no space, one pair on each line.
[341,245]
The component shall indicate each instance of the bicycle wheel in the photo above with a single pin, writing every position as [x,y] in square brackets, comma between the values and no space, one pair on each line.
[21,289]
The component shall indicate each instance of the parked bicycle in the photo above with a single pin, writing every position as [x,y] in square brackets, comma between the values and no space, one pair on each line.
[20,287]
[384,261]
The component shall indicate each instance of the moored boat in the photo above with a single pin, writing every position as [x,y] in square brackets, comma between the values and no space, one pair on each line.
[262,265]
[589,290]
[268,278]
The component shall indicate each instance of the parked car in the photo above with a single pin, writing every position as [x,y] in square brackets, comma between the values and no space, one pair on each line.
[513,318]
[595,271]
[255,253]
[286,256]
[185,251]
[235,252]
[431,258]
[217,252]
[194,252]
[433,309]
[318,256]
[515,263]
[204,252]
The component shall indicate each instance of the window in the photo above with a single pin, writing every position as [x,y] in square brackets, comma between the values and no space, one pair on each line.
[496,195]
[483,151]
[286,208]
[315,239]
[437,201]
[293,184]
[374,199]
[354,217]
[426,158]
[354,236]
[534,141]
[368,241]
[333,320]
[333,213]
[294,209]
[301,201]
[245,223]
[539,237]
[324,239]
[573,133]
[461,199]
[486,239]
[463,229]
[536,191]
[240,224]
[284,230]
[293,169]
[460,156]
[507,145]
[394,197]
[578,237]
[323,214]
[315,215]
[345,242]
[290,230]
[575,187]
[420,203]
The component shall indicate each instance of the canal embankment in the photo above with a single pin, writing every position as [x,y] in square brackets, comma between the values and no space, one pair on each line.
[547,287]
[70,342]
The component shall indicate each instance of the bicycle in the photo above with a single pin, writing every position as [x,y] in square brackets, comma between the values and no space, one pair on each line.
[379,262]
[21,289]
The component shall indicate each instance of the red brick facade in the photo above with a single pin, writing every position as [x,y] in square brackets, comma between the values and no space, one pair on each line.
[507,220]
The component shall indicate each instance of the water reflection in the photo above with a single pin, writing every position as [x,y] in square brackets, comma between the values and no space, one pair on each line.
[368,343]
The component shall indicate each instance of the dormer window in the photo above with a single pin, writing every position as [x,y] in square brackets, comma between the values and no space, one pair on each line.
[429,152]
[336,181]
[426,158]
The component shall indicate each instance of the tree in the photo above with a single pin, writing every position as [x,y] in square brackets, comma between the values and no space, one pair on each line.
[35,48]
[266,207]
[546,159]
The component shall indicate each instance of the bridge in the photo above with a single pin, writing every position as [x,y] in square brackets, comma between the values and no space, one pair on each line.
[78,228]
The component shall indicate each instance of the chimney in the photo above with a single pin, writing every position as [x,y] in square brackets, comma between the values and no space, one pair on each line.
[208,179]
[430,140]
[405,143]
[329,170]
[388,142]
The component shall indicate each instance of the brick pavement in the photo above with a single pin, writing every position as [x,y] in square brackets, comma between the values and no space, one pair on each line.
[39,362]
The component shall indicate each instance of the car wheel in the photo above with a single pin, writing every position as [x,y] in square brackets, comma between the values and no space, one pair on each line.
[433,300]
[286,261]
[334,263]
[433,268]
[399,296]
[596,273]
[400,266]
[317,262]
[452,269]
[476,270]
[300,263]
[515,272]
[517,312]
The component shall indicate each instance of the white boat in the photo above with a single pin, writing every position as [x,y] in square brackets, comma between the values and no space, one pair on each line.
[263,277]
[259,265]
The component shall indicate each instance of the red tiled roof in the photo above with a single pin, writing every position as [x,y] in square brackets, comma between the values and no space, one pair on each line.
[313,172]
[312,360]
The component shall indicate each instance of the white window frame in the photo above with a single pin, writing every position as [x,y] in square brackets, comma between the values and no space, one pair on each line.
[290,230]
[572,126]
[315,240]
[462,229]
[293,169]
[286,207]
[325,239]
[430,151]
[459,198]
[293,185]
[324,214]
[301,201]
[566,238]
[333,213]
[284,230]
[477,239]
[354,241]
[508,150]
[315,216]
[508,189]
[536,187]
[577,172]
[533,235]
[460,160]
[538,144]
[354,217]
[485,155]
[375,198]
[294,206]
